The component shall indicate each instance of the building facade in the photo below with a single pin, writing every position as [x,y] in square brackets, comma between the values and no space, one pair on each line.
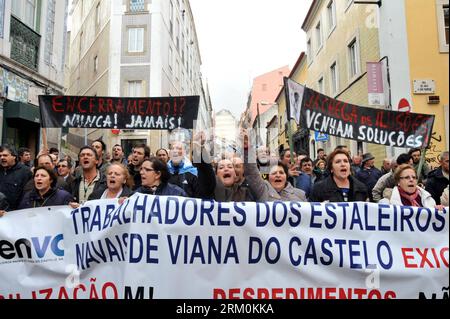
[264,91]
[135,48]
[226,132]
[32,62]
[342,36]
[418,62]
[260,124]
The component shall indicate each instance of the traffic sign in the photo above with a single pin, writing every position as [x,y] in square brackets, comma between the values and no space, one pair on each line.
[404,106]
[321,137]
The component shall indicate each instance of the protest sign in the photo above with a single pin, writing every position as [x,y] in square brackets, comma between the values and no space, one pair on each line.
[172,247]
[324,114]
[165,113]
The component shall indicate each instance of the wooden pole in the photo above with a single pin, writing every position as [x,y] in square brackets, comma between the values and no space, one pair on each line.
[288,113]
[44,139]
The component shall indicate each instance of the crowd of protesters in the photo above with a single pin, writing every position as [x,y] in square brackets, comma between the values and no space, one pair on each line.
[253,174]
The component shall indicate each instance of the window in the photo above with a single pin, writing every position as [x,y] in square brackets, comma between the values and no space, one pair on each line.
[170,58]
[2,17]
[137,5]
[177,70]
[134,88]
[446,22]
[50,28]
[97,15]
[177,31]
[331,13]
[264,87]
[81,43]
[25,10]
[182,49]
[136,40]
[171,18]
[334,79]
[30,8]
[319,36]
[320,87]
[96,63]
[308,50]
[443,24]
[353,55]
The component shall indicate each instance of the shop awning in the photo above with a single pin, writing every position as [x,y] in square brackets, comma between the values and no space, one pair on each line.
[21,111]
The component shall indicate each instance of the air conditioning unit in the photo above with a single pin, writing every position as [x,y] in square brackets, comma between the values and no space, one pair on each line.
[434,99]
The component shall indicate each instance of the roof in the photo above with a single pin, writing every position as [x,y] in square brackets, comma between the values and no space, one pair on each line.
[274,118]
[310,11]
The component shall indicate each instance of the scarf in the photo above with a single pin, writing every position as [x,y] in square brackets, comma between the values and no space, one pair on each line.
[410,199]
[184,167]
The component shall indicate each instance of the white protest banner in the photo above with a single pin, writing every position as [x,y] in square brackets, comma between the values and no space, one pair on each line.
[170,247]
[32,252]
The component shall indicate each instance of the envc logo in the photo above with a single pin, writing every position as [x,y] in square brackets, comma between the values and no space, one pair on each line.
[35,247]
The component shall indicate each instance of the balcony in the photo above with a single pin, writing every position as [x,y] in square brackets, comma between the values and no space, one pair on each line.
[24,44]
[137,5]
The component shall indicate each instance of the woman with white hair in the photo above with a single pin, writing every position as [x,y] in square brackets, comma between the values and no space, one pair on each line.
[407,192]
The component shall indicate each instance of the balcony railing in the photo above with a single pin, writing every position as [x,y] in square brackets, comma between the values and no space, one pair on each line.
[24,44]
[137,5]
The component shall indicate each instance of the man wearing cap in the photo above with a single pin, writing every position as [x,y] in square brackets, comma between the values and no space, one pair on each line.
[369,174]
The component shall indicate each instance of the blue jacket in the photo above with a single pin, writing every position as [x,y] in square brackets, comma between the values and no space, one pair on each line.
[304,182]
[184,167]
[369,177]
[54,197]
[185,176]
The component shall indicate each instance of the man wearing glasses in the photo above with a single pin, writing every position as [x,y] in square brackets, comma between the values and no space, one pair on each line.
[64,168]
[46,160]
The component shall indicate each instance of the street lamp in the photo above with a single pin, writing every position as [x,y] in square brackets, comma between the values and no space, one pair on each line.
[368,2]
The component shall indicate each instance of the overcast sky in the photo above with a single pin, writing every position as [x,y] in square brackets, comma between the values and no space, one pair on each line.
[241,39]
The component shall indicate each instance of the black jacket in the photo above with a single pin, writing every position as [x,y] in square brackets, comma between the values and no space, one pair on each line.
[165,189]
[12,183]
[436,183]
[327,190]
[136,176]
[100,186]
[54,197]
[187,181]
[206,176]
[126,192]
[3,202]
[236,193]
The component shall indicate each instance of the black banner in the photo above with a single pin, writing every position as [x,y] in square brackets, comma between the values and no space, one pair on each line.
[324,114]
[164,113]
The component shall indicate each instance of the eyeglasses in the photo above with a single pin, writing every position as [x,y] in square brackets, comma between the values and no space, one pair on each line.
[409,177]
[59,166]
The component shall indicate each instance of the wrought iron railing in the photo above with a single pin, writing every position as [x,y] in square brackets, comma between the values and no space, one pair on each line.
[137,5]
[25,44]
